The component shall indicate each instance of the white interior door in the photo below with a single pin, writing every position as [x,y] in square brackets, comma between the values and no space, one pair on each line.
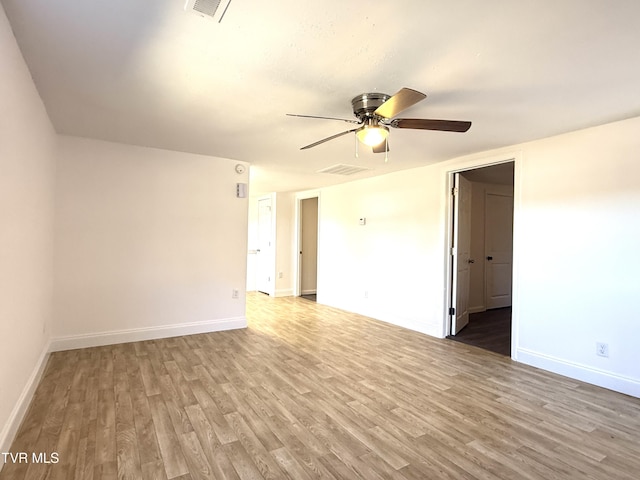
[498,249]
[264,263]
[461,252]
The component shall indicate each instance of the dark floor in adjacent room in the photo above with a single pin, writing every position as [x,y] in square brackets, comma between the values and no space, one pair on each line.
[490,330]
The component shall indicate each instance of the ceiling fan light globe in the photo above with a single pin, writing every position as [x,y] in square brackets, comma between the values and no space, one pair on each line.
[372,135]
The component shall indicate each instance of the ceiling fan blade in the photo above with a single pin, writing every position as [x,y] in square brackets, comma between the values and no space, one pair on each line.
[328,138]
[322,118]
[382,147]
[402,100]
[425,124]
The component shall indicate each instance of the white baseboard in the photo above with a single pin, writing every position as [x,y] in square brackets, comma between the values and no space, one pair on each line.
[141,334]
[10,428]
[12,425]
[594,376]
[284,292]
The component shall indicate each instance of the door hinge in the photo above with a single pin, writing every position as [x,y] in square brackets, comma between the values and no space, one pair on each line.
[452,311]
[454,191]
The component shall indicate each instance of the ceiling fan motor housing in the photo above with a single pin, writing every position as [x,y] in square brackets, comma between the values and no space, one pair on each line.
[364,105]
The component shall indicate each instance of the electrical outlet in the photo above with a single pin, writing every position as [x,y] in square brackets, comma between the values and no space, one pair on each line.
[366,294]
[280,274]
[235,293]
[602,349]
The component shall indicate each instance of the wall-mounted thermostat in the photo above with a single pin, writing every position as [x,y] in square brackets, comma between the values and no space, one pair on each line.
[362,221]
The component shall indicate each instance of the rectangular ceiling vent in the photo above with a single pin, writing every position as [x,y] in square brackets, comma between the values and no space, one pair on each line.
[342,169]
[212,9]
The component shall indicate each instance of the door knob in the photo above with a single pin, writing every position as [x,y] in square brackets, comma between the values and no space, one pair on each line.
[471,260]
[489,257]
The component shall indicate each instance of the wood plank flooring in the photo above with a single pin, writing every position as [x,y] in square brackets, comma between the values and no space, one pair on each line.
[311,392]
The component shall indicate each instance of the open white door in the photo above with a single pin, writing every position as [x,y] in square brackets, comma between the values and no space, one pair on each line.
[460,253]
[498,249]
[264,270]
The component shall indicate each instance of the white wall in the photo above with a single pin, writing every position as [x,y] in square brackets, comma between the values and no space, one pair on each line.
[148,243]
[285,227]
[578,229]
[392,267]
[576,223]
[27,154]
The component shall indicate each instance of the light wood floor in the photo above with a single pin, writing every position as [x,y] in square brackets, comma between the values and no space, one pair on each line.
[312,392]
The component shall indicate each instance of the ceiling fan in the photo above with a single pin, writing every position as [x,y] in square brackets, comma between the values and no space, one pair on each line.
[375,112]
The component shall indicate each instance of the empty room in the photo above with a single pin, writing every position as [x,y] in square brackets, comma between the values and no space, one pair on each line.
[319,240]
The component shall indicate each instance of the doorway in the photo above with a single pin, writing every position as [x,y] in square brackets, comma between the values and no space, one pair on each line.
[482,257]
[307,215]
[307,246]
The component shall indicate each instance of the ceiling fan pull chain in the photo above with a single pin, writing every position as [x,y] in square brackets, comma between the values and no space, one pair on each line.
[386,150]
[356,139]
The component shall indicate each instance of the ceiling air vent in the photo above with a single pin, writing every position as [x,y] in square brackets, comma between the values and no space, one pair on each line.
[213,9]
[342,169]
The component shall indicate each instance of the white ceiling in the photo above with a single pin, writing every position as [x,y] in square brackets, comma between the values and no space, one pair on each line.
[146,72]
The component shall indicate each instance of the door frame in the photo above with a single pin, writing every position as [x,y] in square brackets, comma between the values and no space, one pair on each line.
[516,158]
[297,264]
